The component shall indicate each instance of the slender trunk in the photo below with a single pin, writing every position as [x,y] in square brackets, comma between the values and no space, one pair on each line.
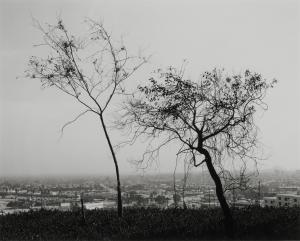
[175,196]
[183,194]
[228,219]
[174,184]
[120,208]
[82,210]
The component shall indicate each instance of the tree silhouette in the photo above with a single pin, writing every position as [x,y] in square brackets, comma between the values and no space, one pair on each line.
[212,119]
[91,69]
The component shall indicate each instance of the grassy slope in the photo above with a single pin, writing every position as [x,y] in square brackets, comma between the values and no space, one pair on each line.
[251,223]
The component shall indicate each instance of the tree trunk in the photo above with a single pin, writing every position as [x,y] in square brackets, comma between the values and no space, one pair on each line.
[82,210]
[120,208]
[228,219]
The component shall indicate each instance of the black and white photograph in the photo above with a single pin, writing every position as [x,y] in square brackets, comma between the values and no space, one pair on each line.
[149,120]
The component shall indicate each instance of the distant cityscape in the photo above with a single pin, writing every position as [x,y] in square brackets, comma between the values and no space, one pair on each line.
[269,189]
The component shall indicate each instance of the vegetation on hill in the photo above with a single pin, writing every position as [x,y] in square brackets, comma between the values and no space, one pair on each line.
[149,223]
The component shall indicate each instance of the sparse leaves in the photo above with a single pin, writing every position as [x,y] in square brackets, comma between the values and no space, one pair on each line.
[215,113]
[92,76]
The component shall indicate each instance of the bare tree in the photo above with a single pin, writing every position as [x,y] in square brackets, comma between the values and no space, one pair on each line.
[90,69]
[212,119]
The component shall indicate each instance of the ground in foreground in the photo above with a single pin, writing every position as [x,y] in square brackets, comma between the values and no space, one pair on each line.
[151,224]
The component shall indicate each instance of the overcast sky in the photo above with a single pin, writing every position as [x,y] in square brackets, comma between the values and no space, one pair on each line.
[260,35]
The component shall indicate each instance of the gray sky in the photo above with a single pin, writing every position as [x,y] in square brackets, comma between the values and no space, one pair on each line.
[260,35]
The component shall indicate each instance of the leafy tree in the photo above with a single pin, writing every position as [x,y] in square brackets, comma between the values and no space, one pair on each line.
[212,119]
[90,69]
[161,200]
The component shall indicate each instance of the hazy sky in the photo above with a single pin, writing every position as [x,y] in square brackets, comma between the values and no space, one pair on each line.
[260,35]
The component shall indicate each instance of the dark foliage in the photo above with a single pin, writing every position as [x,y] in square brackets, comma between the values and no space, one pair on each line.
[136,224]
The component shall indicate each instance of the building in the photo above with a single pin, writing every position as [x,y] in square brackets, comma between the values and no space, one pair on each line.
[270,201]
[242,203]
[289,189]
[283,200]
[288,200]
[65,206]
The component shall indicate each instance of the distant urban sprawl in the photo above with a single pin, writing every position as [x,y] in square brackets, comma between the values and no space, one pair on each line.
[270,189]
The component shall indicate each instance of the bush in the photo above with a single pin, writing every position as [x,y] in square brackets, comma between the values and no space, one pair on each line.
[150,223]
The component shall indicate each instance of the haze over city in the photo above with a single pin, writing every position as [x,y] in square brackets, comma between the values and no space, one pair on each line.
[262,36]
